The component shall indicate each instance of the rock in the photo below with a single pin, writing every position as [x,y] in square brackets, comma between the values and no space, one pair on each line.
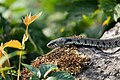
[103,66]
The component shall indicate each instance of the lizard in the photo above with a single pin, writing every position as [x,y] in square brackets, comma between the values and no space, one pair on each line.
[88,42]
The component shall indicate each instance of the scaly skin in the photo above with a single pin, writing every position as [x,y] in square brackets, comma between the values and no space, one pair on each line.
[77,41]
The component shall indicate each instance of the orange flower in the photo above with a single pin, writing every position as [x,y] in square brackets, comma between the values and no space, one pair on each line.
[29,19]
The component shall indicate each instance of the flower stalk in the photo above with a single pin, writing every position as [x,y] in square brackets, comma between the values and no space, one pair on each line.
[27,21]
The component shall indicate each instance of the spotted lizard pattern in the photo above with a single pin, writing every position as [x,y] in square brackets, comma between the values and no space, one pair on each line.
[78,41]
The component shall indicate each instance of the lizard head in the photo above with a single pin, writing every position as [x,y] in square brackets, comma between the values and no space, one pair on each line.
[56,43]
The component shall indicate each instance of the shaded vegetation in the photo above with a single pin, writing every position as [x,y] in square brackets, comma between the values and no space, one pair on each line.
[59,18]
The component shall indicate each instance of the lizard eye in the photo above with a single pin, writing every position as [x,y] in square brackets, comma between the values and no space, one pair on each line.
[61,41]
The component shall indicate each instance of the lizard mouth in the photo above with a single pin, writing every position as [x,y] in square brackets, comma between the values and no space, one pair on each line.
[49,45]
[52,44]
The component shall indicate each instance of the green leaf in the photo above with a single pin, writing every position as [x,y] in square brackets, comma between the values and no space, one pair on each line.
[0,77]
[61,75]
[9,2]
[35,71]
[1,30]
[34,78]
[7,77]
[39,44]
[50,4]
[107,6]
[4,58]
[117,12]
[45,69]
[51,78]
[5,68]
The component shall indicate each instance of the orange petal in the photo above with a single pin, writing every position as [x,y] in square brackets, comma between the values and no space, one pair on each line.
[13,44]
[29,19]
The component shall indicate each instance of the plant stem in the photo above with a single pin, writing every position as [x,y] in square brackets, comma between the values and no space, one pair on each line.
[20,56]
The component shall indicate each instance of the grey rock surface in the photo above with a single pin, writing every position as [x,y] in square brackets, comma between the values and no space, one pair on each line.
[103,66]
